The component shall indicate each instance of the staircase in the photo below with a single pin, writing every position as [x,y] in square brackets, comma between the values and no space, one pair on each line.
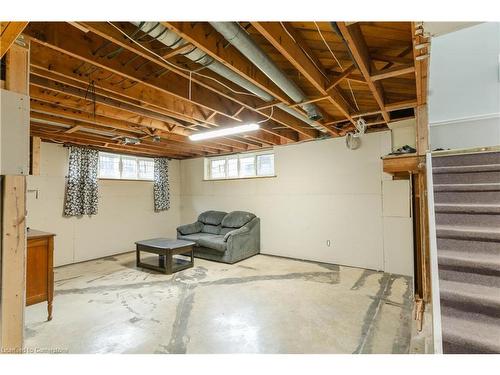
[467,208]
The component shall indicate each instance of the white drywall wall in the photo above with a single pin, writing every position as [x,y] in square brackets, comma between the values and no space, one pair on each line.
[125,212]
[322,192]
[464,88]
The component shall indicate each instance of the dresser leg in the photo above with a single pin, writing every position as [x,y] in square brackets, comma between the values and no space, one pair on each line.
[49,310]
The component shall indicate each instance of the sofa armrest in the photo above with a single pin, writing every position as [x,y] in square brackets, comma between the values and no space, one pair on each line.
[244,241]
[244,229]
[190,228]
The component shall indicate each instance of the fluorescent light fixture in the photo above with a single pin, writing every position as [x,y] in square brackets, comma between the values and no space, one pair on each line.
[224,132]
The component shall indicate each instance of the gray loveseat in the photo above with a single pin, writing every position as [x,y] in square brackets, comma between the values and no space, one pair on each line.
[224,237]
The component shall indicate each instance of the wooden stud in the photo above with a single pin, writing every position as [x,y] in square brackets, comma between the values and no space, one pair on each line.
[13,274]
[422,129]
[17,69]
[392,72]
[35,155]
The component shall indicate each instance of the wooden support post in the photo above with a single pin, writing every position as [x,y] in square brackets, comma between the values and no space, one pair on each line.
[422,129]
[13,262]
[35,156]
[13,218]
[17,69]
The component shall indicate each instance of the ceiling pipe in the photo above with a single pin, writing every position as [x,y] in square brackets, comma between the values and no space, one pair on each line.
[235,35]
[172,40]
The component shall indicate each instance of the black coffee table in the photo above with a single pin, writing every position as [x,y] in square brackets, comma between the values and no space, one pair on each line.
[166,249]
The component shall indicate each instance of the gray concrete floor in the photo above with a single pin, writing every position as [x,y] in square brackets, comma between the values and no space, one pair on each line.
[264,304]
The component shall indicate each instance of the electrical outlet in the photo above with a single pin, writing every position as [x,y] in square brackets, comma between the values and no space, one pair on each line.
[328,243]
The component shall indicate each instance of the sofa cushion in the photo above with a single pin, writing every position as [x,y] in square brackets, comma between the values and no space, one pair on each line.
[237,219]
[224,230]
[213,242]
[212,229]
[196,237]
[212,217]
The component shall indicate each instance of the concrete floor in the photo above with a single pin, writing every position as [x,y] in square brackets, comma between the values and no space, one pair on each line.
[264,304]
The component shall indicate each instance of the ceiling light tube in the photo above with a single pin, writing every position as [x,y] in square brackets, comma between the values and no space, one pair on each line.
[224,132]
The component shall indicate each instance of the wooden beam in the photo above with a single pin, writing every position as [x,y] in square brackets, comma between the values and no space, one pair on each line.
[421,66]
[9,33]
[82,94]
[356,43]
[403,104]
[17,69]
[72,129]
[35,156]
[77,126]
[96,139]
[13,196]
[422,129]
[337,79]
[392,59]
[392,72]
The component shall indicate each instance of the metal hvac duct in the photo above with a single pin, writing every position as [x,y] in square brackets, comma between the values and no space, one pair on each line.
[172,40]
[235,35]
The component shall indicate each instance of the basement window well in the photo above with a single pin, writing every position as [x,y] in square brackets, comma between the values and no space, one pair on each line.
[240,166]
[125,167]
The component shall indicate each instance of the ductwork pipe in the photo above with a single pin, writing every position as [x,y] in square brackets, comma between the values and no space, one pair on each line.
[172,40]
[235,35]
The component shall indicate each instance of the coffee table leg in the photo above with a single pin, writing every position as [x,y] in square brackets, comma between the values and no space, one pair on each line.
[170,261]
[161,261]
[137,257]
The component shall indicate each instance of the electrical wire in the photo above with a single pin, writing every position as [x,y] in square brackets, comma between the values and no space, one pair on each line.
[338,62]
[268,117]
[310,58]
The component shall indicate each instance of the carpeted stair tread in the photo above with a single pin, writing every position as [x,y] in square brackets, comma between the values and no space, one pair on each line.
[467,168]
[470,335]
[480,158]
[465,232]
[467,187]
[482,263]
[467,208]
[469,295]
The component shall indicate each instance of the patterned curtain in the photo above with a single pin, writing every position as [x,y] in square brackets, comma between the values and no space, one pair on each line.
[161,189]
[82,189]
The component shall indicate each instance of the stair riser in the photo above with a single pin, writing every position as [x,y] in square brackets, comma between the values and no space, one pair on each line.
[466,178]
[467,277]
[467,219]
[479,197]
[470,159]
[468,246]
[465,303]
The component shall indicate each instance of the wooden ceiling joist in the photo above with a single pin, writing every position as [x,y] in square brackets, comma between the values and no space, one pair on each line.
[114,36]
[275,33]
[357,45]
[9,31]
[93,84]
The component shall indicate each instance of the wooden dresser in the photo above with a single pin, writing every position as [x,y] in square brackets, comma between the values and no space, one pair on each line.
[39,269]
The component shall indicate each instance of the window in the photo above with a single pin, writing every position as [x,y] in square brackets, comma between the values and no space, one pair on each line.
[240,166]
[124,167]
